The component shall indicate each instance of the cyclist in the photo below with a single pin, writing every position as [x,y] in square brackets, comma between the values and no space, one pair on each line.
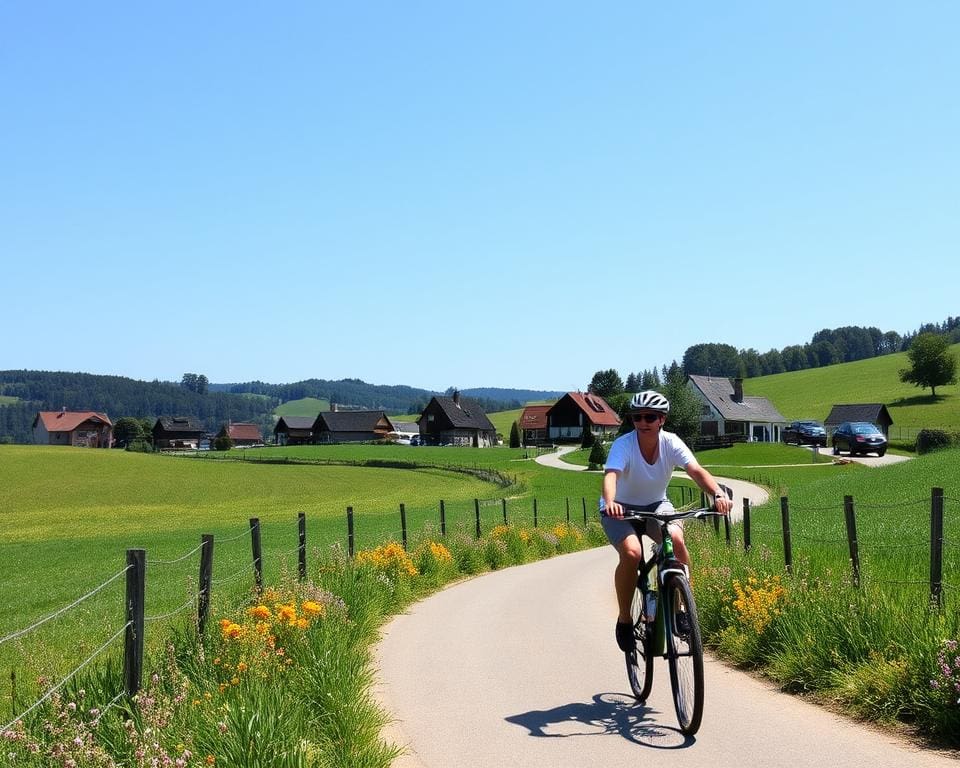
[637,472]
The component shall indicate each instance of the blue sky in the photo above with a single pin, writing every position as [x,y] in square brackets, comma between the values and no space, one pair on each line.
[468,194]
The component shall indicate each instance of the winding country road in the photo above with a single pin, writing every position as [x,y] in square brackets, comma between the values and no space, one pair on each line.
[519,668]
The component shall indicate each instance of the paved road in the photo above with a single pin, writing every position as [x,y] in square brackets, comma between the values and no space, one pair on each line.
[519,668]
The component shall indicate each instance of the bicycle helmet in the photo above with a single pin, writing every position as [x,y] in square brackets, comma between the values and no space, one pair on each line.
[648,400]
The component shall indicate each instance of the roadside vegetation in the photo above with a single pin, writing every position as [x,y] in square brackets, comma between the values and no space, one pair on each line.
[877,650]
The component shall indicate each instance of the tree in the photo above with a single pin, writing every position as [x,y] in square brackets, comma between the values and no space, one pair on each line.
[598,455]
[515,435]
[222,443]
[685,408]
[720,360]
[931,364]
[632,384]
[588,439]
[127,429]
[606,383]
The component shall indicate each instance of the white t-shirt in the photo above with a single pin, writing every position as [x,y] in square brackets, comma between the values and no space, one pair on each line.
[639,482]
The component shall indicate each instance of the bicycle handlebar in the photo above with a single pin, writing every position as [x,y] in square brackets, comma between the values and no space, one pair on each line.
[638,513]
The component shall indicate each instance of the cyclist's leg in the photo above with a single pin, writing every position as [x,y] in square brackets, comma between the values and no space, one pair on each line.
[624,539]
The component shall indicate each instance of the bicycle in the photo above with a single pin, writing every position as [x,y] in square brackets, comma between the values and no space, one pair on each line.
[656,630]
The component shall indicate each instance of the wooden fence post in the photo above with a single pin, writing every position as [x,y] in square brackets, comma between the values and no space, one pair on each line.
[302,545]
[503,502]
[443,519]
[206,579]
[568,510]
[584,500]
[257,553]
[936,547]
[476,513]
[851,520]
[350,531]
[746,524]
[534,513]
[133,640]
[785,522]
[403,525]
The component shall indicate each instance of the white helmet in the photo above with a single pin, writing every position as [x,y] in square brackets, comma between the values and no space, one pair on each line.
[648,400]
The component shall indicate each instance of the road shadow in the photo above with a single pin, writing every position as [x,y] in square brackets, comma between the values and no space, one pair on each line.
[607,714]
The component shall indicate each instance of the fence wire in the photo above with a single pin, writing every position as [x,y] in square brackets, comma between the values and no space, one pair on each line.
[74,604]
[66,679]
[178,560]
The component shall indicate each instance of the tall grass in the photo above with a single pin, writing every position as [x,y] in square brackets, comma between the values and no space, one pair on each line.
[871,648]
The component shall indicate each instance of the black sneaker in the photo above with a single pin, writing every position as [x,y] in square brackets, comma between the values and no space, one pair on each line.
[682,621]
[625,638]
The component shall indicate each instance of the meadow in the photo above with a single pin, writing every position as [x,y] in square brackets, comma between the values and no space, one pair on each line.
[69,514]
[811,393]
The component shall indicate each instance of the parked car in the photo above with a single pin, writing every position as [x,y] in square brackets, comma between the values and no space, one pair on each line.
[859,437]
[805,433]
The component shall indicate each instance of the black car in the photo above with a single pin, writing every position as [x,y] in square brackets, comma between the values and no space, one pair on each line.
[859,437]
[805,433]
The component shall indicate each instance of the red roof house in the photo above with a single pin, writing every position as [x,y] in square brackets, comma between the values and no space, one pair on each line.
[88,429]
[242,433]
[576,411]
[533,424]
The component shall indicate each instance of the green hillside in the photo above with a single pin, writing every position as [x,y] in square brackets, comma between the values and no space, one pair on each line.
[813,392]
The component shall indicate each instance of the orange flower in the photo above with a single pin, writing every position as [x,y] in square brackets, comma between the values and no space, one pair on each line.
[259,612]
[311,608]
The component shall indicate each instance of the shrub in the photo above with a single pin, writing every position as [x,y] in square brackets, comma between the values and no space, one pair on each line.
[932,440]
[222,443]
[588,438]
[598,455]
[515,435]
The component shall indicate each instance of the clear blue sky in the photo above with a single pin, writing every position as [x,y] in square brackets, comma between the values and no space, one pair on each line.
[468,194]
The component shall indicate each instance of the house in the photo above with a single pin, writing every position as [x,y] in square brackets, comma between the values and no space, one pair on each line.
[533,424]
[576,411]
[88,429]
[172,433]
[875,413]
[294,430]
[351,426]
[241,433]
[450,421]
[403,430]
[728,416]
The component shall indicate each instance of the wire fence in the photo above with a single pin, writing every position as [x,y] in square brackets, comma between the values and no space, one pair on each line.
[902,545]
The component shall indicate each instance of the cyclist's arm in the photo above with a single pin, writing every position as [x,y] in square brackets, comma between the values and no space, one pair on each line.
[611,507]
[709,486]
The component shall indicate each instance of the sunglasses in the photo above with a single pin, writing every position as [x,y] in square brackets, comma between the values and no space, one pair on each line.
[647,417]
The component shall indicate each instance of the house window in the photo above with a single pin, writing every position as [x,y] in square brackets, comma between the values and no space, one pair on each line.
[429,417]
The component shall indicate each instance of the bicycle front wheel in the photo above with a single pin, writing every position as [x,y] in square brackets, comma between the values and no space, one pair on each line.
[639,657]
[684,654]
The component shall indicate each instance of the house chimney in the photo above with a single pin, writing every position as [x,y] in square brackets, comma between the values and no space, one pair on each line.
[738,390]
[456,397]
[333,407]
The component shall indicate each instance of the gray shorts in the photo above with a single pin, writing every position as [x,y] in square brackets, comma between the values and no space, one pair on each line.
[618,529]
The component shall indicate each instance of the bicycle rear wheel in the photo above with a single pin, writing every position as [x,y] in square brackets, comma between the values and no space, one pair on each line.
[684,654]
[639,658]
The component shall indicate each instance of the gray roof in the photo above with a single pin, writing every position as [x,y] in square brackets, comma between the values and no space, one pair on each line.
[719,393]
[179,424]
[349,421]
[871,412]
[296,422]
[467,415]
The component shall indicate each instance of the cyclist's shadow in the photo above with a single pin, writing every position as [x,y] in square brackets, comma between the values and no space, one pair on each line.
[607,714]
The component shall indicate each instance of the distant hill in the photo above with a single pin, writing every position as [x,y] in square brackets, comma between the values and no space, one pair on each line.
[521,396]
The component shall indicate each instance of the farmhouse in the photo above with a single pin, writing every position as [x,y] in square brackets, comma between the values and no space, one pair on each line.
[173,433]
[241,433]
[448,421]
[88,429]
[875,413]
[533,424]
[351,426]
[577,411]
[728,416]
[294,430]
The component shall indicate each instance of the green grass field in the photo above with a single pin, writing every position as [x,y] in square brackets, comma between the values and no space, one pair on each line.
[8,399]
[811,393]
[306,406]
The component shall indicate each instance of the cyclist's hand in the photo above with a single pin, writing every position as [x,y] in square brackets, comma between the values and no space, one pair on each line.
[613,509]
[723,505]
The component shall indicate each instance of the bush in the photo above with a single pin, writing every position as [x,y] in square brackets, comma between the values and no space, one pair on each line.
[932,440]
[515,435]
[222,443]
[588,438]
[598,455]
